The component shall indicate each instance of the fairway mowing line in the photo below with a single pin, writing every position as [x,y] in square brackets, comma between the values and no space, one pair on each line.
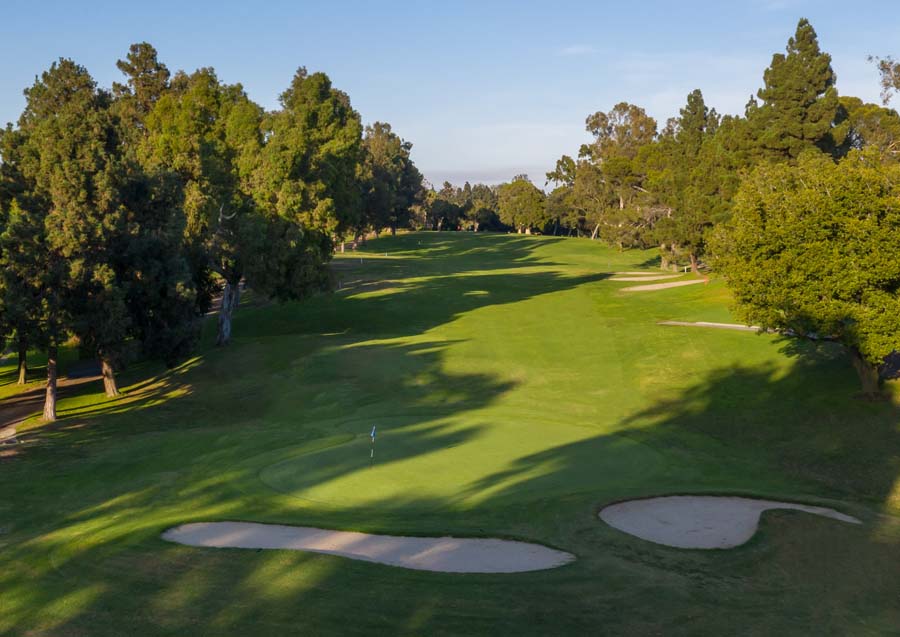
[661,286]
[700,521]
[441,554]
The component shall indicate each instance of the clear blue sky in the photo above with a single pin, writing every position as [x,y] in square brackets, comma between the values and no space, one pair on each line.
[484,90]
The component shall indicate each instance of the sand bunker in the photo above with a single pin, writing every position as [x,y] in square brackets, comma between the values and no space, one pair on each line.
[638,273]
[445,554]
[718,326]
[657,277]
[700,522]
[661,286]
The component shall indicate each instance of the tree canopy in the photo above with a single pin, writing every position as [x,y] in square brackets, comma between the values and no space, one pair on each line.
[124,212]
[805,252]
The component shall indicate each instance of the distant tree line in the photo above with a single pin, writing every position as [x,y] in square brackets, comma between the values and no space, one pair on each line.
[124,213]
[796,203]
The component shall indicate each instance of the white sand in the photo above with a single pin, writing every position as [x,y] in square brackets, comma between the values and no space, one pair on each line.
[637,273]
[657,277]
[700,522]
[719,326]
[662,286]
[445,554]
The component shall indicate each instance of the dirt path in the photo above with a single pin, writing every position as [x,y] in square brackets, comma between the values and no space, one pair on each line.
[17,408]
[444,554]
[662,286]
[700,522]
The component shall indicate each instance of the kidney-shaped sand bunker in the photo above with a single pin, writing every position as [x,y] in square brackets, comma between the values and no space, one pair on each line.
[444,554]
[700,521]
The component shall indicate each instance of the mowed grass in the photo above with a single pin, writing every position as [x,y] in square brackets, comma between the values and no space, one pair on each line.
[516,391]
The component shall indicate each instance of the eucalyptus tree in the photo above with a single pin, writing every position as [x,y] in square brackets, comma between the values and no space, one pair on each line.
[609,177]
[889,69]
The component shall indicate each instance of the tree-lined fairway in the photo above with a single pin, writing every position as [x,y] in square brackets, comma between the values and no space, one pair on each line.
[516,391]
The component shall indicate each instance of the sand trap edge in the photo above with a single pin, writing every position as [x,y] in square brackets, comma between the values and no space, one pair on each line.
[709,324]
[661,286]
[690,521]
[651,277]
[437,554]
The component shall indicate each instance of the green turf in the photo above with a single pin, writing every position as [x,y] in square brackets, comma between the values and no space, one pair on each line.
[516,390]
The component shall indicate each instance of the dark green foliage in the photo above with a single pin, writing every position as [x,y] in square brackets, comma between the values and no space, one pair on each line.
[308,167]
[869,125]
[206,135]
[391,183]
[521,205]
[111,233]
[807,251]
[799,100]
[686,177]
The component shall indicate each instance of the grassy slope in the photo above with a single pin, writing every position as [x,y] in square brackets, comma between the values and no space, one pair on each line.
[516,391]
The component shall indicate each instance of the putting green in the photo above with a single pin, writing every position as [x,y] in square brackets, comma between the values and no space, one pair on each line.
[474,465]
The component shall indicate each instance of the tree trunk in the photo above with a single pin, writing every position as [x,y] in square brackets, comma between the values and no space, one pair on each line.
[556,227]
[231,295]
[476,226]
[594,233]
[527,230]
[694,268]
[393,230]
[50,399]
[109,378]
[663,257]
[867,372]
[23,361]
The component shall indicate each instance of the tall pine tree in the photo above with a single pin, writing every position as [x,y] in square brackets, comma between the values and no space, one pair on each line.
[799,100]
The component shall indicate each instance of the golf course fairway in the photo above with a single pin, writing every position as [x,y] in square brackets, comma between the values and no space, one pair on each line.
[516,391]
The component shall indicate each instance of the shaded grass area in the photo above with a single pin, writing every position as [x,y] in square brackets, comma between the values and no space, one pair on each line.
[516,391]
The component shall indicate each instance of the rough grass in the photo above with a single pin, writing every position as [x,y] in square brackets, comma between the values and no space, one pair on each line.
[516,391]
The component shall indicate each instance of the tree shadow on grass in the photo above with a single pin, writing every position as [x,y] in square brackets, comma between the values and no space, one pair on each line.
[425,254]
[409,308]
[115,494]
[755,431]
[82,552]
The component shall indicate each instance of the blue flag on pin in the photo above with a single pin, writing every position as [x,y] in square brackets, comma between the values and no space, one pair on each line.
[373,434]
